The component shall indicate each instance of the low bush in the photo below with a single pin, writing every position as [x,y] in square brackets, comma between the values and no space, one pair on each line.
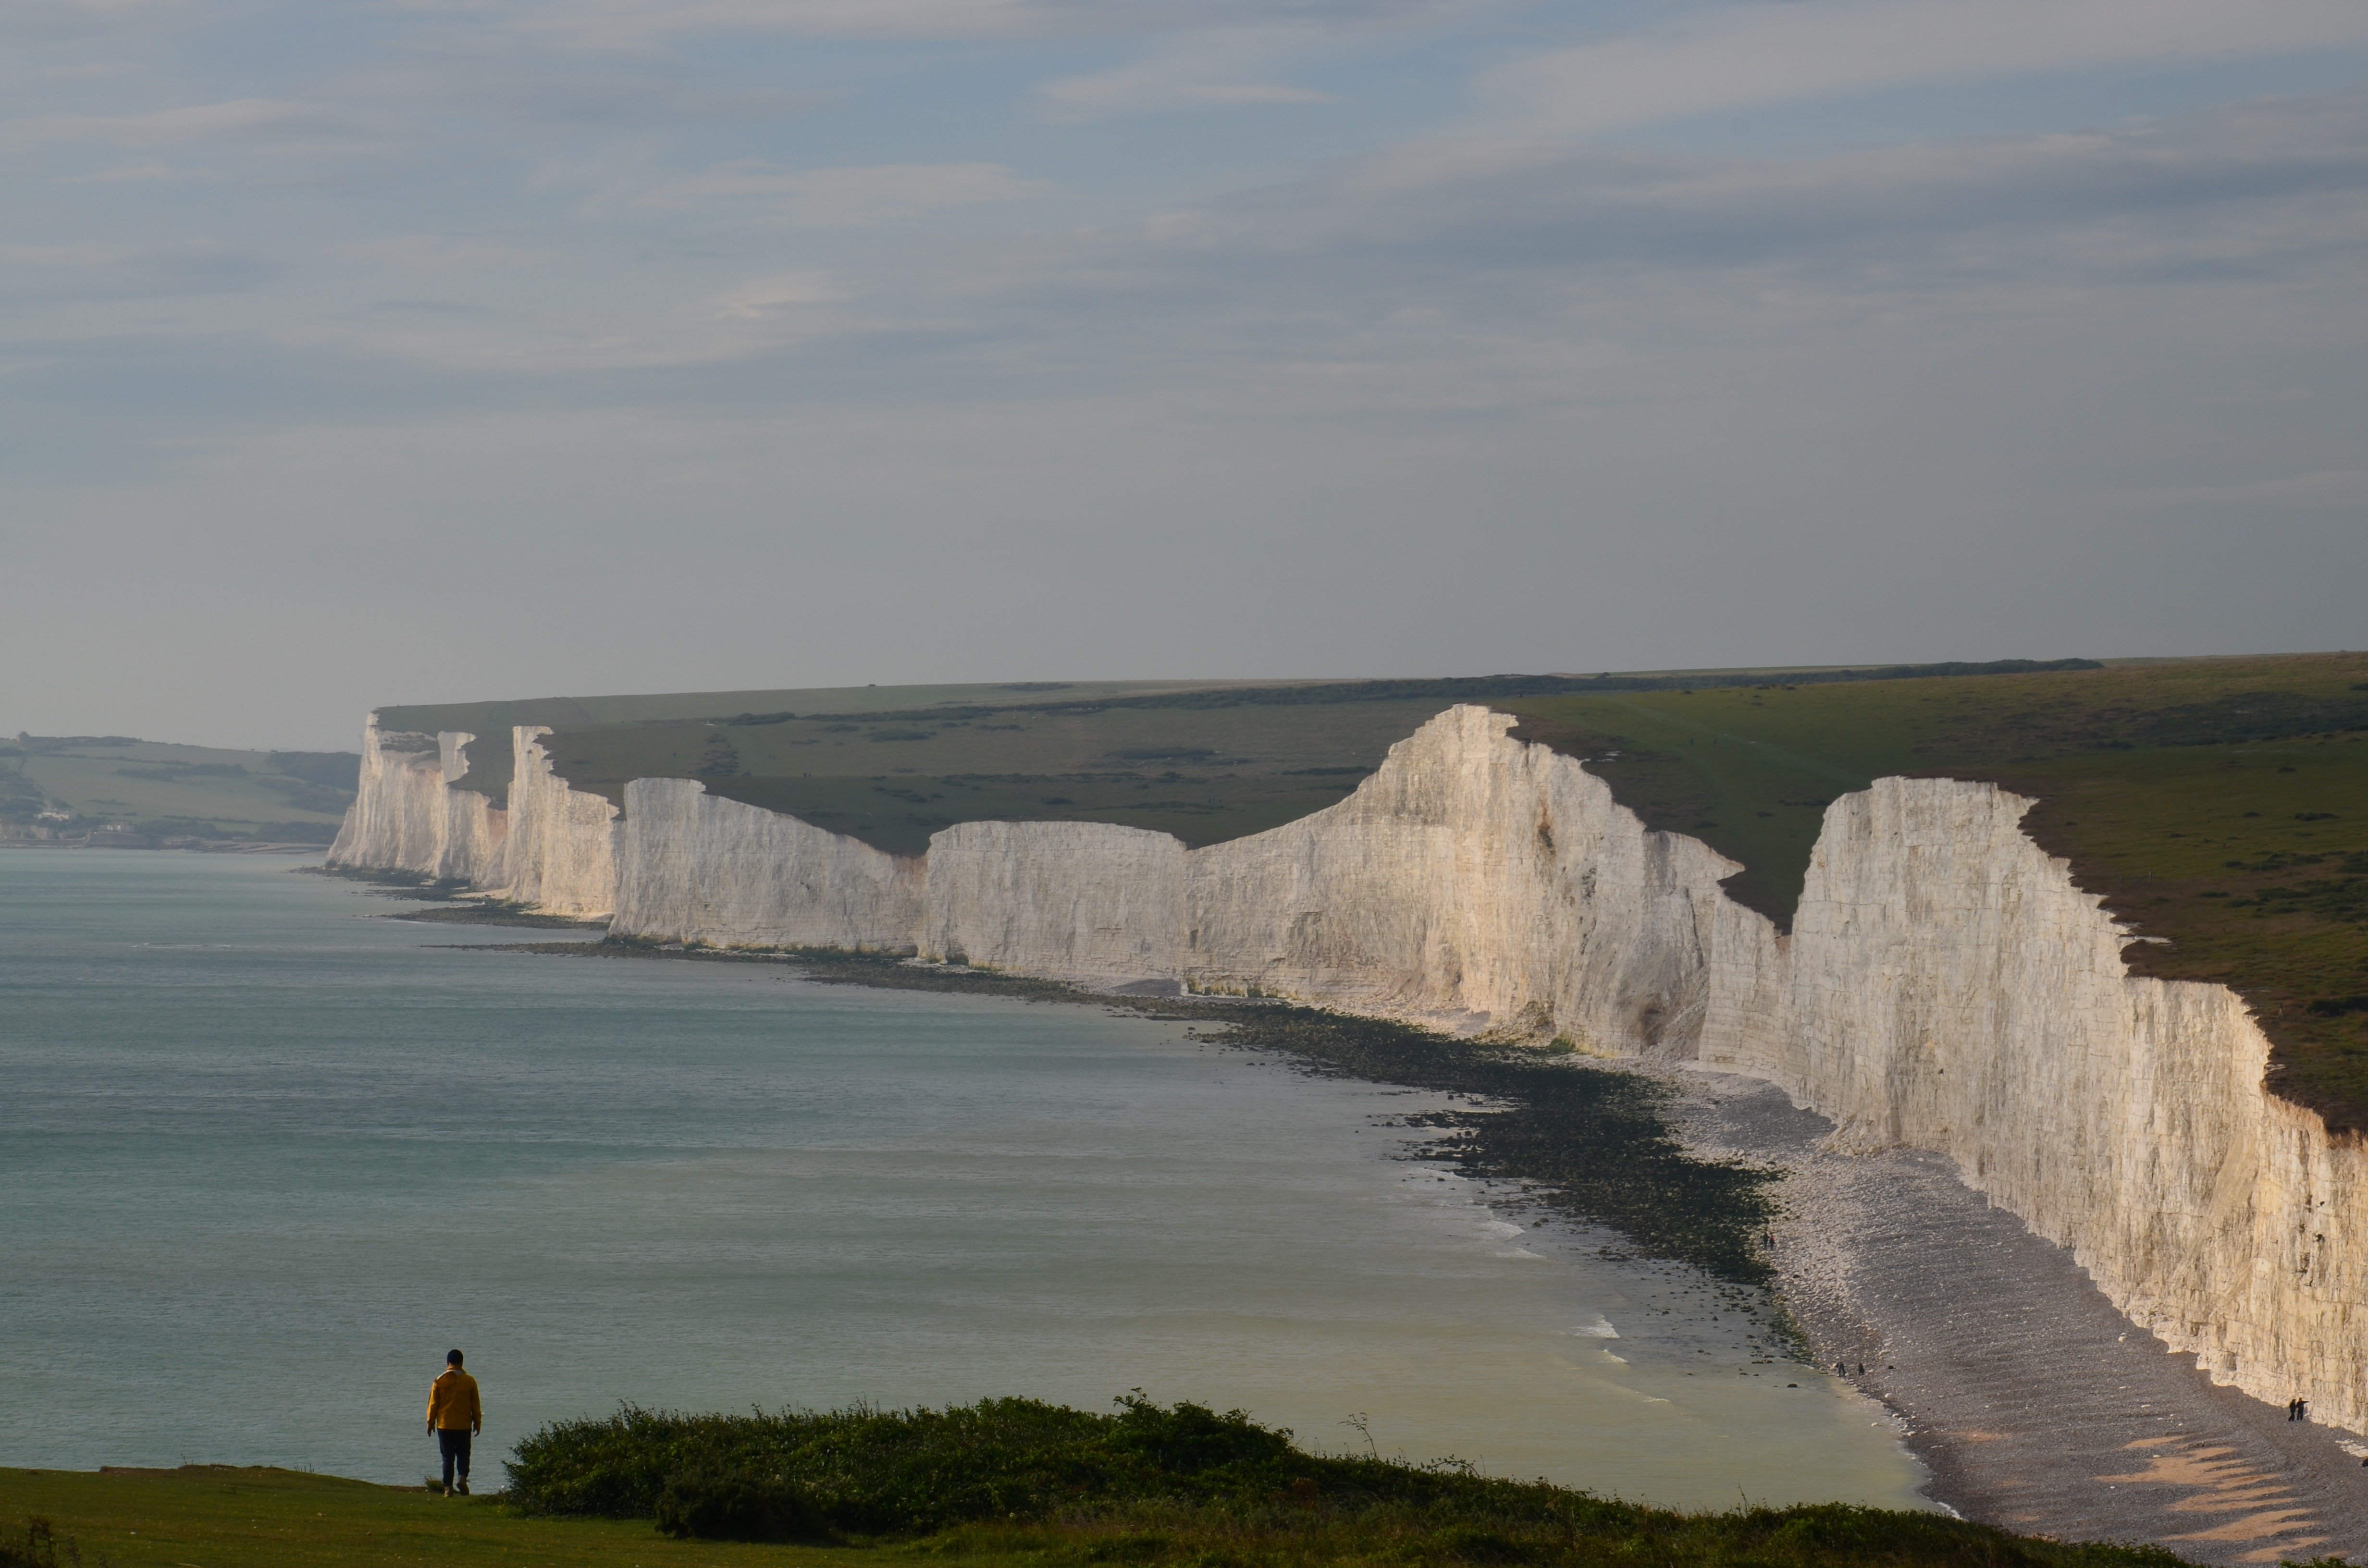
[876,1472]
[1182,1485]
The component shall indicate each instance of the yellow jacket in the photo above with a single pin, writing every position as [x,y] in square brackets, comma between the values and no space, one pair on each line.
[452,1402]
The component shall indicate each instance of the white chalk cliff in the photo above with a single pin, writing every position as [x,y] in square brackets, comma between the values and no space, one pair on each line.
[1946,985]
[409,816]
[559,854]
[693,866]
[551,847]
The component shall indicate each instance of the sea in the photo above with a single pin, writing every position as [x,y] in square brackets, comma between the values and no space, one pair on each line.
[267,1151]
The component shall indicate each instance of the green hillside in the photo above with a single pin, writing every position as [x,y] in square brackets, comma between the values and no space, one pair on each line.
[116,790]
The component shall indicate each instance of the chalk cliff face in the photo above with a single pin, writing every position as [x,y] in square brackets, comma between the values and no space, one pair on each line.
[1950,988]
[1473,881]
[559,856]
[1946,984]
[408,816]
[1090,902]
[694,867]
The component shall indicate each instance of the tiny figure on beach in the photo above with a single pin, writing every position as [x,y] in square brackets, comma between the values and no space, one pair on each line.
[454,1416]
[1862,1369]
[2297,1410]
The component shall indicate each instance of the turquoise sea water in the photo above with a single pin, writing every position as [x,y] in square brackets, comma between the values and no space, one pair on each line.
[264,1156]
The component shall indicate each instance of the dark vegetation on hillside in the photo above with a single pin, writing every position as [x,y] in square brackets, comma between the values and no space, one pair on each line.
[1443,692]
[1179,1483]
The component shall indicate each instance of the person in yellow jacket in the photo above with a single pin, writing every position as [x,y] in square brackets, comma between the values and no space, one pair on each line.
[454,1416]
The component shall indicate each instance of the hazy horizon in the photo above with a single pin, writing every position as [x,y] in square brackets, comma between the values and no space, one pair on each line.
[429,352]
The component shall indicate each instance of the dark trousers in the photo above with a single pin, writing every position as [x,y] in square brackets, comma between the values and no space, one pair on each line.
[453,1442]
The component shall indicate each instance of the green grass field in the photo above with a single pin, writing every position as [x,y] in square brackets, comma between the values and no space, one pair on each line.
[221,1517]
[191,791]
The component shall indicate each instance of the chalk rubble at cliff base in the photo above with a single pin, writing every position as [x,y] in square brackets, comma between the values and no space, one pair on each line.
[1945,986]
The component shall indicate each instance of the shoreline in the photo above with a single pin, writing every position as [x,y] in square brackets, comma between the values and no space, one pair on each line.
[2035,1405]
[2032,1404]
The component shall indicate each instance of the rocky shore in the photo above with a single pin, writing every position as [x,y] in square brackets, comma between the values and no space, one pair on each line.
[2036,1406]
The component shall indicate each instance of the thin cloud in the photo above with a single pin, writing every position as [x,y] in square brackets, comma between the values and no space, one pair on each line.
[1209,68]
[849,196]
[146,169]
[260,121]
[2291,178]
[1755,56]
[629,24]
[762,298]
[2339,486]
[105,271]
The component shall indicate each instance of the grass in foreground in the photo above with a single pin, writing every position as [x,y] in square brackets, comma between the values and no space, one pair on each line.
[1004,1482]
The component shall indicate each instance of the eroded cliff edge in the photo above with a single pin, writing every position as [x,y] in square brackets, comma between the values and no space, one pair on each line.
[1946,985]
[548,845]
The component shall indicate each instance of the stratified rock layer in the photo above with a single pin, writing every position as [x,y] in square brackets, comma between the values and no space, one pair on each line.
[1946,985]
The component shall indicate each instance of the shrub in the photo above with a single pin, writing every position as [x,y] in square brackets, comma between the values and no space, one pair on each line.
[1181,1486]
[868,1473]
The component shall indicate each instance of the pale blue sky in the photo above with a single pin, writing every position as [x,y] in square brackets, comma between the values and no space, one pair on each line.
[412,351]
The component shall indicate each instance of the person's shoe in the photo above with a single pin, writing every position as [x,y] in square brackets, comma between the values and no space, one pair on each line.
[447,1491]
[463,1484]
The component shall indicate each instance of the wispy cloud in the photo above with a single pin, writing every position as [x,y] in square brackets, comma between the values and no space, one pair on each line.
[633,23]
[848,197]
[762,298]
[2343,486]
[1217,68]
[254,120]
[1756,55]
[100,271]
[145,170]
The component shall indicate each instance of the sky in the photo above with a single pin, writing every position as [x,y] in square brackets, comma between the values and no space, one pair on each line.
[376,351]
